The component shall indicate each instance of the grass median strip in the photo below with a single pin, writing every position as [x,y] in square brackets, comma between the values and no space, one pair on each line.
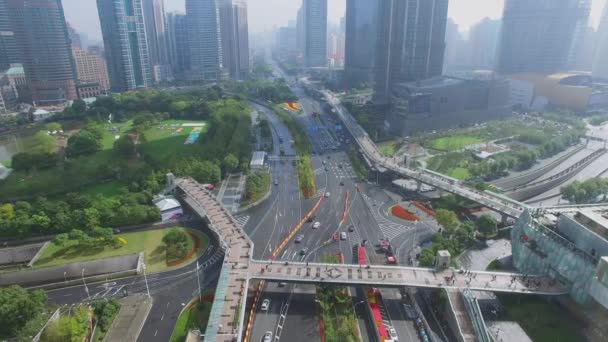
[150,242]
[306,174]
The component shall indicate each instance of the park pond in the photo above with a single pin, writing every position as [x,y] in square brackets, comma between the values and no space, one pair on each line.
[11,144]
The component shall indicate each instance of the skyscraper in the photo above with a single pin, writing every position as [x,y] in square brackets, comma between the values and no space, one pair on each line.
[410,44]
[44,49]
[235,37]
[91,68]
[8,47]
[483,39]
[361,33]
[315,32]
[206,60]
[600,61]
[178,43]
[539,35]
[154,14]
[75,38]
[126,48]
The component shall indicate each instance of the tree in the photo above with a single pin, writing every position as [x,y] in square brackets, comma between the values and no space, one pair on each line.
[125,147]
[79,106]
[7,212]
[175,236]
[83,143]
[44,143]
[18,306]
[61,239]
[105,234]
[53,126]
[427,258]
[230,163]
[487,225]
[447,219]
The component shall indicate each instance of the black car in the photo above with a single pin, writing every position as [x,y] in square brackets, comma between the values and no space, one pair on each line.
[363,243]
[342,183]
[312,218]
[351,228]
[303,251]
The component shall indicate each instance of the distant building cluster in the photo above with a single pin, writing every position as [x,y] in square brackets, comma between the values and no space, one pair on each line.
[142,47]
[427,75]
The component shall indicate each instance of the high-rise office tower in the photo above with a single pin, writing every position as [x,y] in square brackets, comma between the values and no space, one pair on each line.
[300,36]
[75,38]
[600,60]
[483,39]
[361,33]
[91,68]
[411,42]
[126,48]
[154,14]
[540,35]
[8,47]
[206,60]
[44,49]
[178,43]
[315,32]
[235,37]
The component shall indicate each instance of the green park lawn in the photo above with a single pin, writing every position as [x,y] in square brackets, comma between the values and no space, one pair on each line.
[110,136]
[388,149]
[107,189]
[454,143]
[460,173]
[149,242]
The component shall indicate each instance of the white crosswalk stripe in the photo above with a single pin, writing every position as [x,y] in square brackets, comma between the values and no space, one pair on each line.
[319,171]
[389,229]
[241,220]
[321,192]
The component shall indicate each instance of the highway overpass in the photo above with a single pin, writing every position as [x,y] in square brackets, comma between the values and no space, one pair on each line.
[228,311]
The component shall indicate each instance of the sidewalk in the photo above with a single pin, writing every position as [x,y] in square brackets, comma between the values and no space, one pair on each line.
[130,320]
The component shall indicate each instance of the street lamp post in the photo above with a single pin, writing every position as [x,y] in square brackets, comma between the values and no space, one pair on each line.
[198,280]
[86,289]
[146,279]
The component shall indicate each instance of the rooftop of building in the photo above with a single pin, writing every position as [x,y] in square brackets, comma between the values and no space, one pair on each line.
[15,70]
[258,158]
[167,203]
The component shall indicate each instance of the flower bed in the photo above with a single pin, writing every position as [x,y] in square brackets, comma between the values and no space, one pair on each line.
[425,209]
[403,213]
[197,245]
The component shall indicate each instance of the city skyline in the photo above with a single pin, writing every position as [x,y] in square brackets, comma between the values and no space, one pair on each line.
[82,14]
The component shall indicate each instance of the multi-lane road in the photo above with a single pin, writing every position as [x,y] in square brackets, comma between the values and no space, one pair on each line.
[351,207]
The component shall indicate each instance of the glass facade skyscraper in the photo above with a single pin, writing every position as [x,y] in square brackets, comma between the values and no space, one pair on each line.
[43,45]
[361,34]
[315,32]
[540,35]
[126,47]
[206,60]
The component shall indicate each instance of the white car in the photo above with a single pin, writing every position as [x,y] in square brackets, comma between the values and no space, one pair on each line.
[268,336]
[327,194]
[343,236]
[265,305]
[393,333]
[316,225]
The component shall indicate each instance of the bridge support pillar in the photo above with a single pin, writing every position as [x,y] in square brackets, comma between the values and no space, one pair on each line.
[504,219]
[418,186]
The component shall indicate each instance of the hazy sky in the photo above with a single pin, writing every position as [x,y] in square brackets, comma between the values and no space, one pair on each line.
[265,14]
